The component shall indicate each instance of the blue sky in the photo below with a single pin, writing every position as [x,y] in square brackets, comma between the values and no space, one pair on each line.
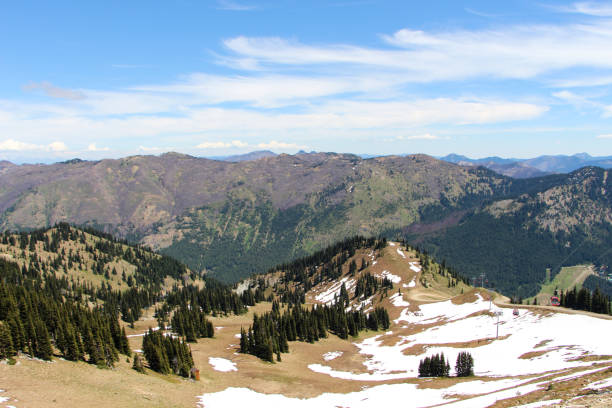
[209,78]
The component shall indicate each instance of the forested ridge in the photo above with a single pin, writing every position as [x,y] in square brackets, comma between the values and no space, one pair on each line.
[65,291]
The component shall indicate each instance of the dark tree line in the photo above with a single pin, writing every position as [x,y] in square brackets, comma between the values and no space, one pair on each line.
[332,258]
[368,285]
[270,333]
[36,319]
[166,354]
[584,299]
[191,324]
[434,366]
[438,366]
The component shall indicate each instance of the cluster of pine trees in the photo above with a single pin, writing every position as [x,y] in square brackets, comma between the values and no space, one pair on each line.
[270,333]
[215,298]
[464,366]
[191,324]
[368,285]
[583,299]
[331,259]
[434,366]
[35,318]
[166,354]
[438,366]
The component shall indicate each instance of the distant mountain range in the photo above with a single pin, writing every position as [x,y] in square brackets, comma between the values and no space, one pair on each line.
[517,168]
[232,219]
[539,166]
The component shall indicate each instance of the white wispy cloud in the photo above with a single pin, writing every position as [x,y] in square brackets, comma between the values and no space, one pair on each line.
[19,146]
[302,92]
[93,148]
[515,52]
[54,91]
[222,145]
[424,136]
[276,145]
[605,136]
[600,9]
[233,6]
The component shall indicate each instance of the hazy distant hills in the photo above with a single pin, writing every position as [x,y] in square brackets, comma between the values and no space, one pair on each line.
[539,166]
[256,155]
[235,218]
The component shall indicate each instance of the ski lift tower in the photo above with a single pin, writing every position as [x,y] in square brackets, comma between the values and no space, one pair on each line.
[497,313]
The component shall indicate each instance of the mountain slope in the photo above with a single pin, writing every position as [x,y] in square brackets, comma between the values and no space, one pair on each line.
[513,241]
[235,219]
[280,207]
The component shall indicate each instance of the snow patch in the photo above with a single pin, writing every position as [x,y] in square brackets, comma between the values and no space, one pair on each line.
[142,334]
[398,300]
[386,274]
[399,251]
[327,296]
[415,267]
[332,355]
[222,364]
[387,394]
[597,385]
[539,404]
[411,284]
[493,356]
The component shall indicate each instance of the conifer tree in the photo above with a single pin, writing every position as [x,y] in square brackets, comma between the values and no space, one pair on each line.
[465,364]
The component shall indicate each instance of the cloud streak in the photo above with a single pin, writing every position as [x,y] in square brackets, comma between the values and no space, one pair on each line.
[54,91]
[233,6]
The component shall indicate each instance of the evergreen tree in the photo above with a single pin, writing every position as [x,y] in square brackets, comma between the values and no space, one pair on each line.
[464,365]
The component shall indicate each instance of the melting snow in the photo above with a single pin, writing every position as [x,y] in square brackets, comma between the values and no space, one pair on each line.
[393,278]
[414,267]
[328,295]
[379,395]
[142,334]
[222,364]
[399,251]
[398,300]
[597,385]
[412,284]
[493,357]
[331,355]
[539,404]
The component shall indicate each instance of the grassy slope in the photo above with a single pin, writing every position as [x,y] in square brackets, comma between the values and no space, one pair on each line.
[568,278]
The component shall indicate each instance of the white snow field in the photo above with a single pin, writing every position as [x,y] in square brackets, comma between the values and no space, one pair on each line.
[222,364]
[380,395]
[559,347]
[437,326]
